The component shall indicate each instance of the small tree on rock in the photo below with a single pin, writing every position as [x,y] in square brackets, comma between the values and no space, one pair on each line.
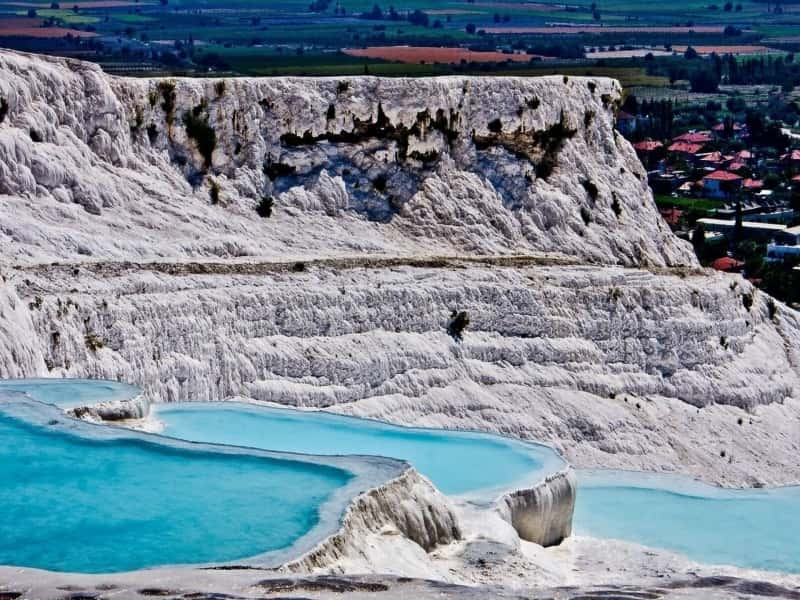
[459,320]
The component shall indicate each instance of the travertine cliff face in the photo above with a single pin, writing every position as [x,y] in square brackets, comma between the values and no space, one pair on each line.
[144,168]
[20,348]
[385,193]
[543,513]
[408,505]
[608,364]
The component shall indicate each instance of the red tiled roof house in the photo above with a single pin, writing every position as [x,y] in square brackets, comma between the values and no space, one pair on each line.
[721,184]
[685,150]
[699,137]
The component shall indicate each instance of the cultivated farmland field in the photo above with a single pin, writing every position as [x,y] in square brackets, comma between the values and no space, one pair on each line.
[618,38]
[427,54]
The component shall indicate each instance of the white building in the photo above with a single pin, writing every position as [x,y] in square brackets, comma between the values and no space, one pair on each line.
[779,252]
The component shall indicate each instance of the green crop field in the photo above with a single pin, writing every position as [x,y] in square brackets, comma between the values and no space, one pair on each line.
[267,37]
[694,204]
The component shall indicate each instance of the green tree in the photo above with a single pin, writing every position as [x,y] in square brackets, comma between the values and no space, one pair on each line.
[699,241]
[704,81]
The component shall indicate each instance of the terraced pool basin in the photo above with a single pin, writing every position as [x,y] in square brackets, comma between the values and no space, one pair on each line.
[92,498]
[747,528]
[458,463]
[89,498]
[757,529]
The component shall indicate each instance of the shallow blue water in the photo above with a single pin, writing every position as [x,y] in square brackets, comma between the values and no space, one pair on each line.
[456,462]
[70,393]
[758,529]
[75,503]
[71,503]
[752,528]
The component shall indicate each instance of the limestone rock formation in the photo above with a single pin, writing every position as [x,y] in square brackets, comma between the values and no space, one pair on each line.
[131,168]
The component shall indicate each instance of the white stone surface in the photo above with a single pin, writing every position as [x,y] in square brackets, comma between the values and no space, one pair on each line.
[97,187]
[615,367]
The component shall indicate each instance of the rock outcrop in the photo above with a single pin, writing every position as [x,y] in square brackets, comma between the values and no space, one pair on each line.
[542,514]
[407,505]
[98,166]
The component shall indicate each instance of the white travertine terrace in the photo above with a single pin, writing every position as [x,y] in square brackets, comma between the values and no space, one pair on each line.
[395,202]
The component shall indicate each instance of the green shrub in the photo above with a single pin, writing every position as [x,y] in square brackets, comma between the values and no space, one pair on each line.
[772,308]
[590,188]
[264,208]
[552,138]
[168,99]
[213,191]
[92,341]
[747,301]
[615,204]
[198,129]
[138,119]
[152,133]
[459,320]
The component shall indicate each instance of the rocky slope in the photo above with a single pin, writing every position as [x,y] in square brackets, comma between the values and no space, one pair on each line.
[615,367]
[95,166]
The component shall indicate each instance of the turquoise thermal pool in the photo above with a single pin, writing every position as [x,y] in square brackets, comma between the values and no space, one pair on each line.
[76,504]
[752,528]
[457,462]
[756,529]
[79,497]
[92,498]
